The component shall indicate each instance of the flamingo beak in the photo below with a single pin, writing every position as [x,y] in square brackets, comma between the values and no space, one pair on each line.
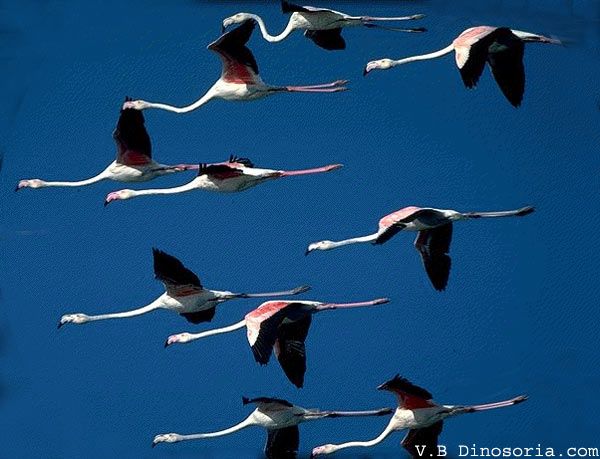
[223,28]
[365,72]
[60,324]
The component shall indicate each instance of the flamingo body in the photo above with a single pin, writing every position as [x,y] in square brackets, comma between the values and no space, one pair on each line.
[280,418]
[235,175]
[418,413]
[280,327]
[435,228]
[322,26]
[501,48]
[134,161]
[240,80]
[184,295]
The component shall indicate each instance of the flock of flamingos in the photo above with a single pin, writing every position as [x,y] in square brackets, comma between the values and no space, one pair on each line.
[281,326]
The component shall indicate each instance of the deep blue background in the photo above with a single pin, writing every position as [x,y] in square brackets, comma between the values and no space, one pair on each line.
[520,313]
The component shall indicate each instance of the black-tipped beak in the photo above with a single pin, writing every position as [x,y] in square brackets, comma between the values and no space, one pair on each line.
[106,202]
[60,324]
[307,252]
[17,187]
[167,344]
[222,29]
[365,72]
[154,444]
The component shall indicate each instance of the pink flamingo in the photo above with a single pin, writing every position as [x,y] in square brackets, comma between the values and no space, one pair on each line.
[502,48]
[280,418]
[134,161]
[433,241]
[281,326]
[239,78]
[323,26]
[184,294]
[237,174]
[418,413]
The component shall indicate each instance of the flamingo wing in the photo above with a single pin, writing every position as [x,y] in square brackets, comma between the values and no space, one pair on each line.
[426,437]
[290,349]
[265,403]
[263,327]
[246,162]
[178,280]
[282,443]
[505,58]
[287,7]
[330,39]
[239,64]
[131,138]
[220,171]
[410,396]
[433,246]
[205,315]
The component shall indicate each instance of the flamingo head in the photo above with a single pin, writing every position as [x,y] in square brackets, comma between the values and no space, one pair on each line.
[381,64]
[118,195]
[321,245]
[136,104]
[235,19]
[32,183]
[179,338]
[322,450]
[166,438]
[73,319]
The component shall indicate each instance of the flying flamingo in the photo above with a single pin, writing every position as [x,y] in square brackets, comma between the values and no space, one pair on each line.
[134,157]
[323,26]
[237,174]
[281,326]
[418,413]
[432,242]
[502,48]
[239,78]
[184,295]
[280,418]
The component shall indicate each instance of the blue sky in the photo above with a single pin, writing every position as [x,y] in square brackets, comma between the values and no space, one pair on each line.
[520,311]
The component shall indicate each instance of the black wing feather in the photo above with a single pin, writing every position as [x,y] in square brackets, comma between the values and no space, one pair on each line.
[292,350]
[427,437]
[400,384]
[433,246]
[282,443]
[505,58]
[259,400]
[330,39]
[233,44]
[287,7]
[269,332]
[206,315]
[389,233]
[130,135]
[473,68]
[172,273]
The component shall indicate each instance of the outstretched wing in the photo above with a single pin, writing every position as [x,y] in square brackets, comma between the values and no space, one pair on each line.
[505,57]
[131,138]
[178,280]
[270,402]
[290,348]
[263,327]
[330,39]
[243,161]
[206,315]
[433,246]
[423,442]
[220,171]
[282,443]
[239,64]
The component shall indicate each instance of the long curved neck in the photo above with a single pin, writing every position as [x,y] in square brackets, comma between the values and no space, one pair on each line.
[249,421]
[122,315]
[448,49]
[270,38]
[218,331]
[174,190]
[101,176]
[355,240]
[382,436]
[188,108]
